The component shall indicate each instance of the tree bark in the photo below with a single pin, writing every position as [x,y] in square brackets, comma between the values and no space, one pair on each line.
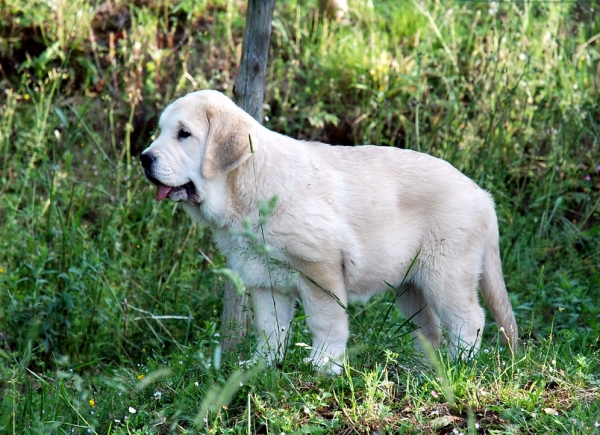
[249,92]
[235,318]
[249,88]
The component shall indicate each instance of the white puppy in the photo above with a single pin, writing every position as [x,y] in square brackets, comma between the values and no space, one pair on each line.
[349,222]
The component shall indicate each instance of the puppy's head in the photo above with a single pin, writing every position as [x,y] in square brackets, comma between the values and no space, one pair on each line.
[203,136]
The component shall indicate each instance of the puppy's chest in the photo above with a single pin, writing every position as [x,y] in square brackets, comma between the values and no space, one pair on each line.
[256,266]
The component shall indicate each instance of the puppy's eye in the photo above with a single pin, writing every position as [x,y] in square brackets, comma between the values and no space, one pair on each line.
[183,134]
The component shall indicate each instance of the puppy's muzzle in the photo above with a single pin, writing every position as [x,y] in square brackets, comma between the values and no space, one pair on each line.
[173,192]
[147,159]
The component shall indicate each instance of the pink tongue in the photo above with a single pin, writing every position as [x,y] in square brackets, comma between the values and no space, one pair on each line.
[162,192]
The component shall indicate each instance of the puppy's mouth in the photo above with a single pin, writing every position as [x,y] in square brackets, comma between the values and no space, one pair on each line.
[185,192]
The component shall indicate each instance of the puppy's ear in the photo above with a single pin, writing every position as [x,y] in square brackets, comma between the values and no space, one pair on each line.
[228,142]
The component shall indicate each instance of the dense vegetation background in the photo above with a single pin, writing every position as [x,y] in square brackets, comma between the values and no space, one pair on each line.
[109,314]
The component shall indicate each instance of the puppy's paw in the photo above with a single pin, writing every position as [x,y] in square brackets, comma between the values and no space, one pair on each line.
[325,364]
[246,364]
[269,359]
[263,353]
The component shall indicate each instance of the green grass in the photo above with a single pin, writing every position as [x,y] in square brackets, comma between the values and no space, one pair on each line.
[108,313]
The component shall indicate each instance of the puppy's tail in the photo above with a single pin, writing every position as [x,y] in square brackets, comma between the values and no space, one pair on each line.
[493,290]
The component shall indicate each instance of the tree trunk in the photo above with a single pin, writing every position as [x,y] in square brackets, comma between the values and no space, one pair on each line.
[235,318]
[249,92]
[249,89]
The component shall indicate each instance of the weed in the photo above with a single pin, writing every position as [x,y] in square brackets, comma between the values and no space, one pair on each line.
[108,313]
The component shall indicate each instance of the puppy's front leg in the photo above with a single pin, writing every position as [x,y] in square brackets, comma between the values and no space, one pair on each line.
[328,321]
[273,311]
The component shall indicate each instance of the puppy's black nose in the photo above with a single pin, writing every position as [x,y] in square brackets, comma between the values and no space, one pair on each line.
[147,159]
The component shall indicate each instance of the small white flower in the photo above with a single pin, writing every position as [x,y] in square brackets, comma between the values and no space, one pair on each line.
[325,359]
[196,384]
[486,351]
[157,394]
[180,362]
[522,56]
[596,424]
[132,410]
[476,425]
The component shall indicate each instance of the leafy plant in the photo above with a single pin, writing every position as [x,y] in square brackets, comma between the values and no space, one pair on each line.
[109,314]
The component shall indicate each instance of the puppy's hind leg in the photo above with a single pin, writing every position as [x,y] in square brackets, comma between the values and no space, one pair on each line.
[273,312]
[327,319]
[457,305]
[414,306]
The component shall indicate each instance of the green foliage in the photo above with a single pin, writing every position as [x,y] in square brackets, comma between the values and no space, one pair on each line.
[109,314]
